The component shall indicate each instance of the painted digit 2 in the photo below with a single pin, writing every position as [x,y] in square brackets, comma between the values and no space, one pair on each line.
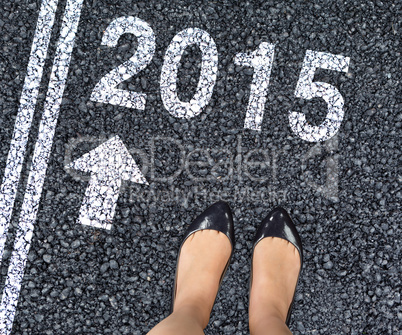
[260,60]
[106,91]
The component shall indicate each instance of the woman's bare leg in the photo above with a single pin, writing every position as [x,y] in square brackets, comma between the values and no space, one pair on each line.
[203,258]
[276,265]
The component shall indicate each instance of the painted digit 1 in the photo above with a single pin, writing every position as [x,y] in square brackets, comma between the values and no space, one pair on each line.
[261,61]
[206,83]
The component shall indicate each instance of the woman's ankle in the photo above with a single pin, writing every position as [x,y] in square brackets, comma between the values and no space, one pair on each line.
[183,321]
[263,312]
[274,323]
[196,311]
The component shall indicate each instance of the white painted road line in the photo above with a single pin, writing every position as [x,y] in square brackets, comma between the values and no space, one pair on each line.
[39,165]
[109,164]
[25,114]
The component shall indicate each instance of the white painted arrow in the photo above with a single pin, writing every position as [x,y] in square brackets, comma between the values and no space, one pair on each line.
[109,164]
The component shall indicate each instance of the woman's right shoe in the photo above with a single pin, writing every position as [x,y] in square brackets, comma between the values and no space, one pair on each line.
[279,224]
[216,217]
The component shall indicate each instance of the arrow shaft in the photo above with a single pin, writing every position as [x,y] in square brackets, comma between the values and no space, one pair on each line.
[99,204]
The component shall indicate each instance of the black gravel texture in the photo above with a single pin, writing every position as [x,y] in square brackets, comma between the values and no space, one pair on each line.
[83,280]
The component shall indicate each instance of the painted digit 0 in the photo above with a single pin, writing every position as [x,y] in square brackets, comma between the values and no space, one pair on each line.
[206,83]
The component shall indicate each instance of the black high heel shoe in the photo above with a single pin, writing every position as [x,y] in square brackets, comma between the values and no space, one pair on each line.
[216,217]
[279,224]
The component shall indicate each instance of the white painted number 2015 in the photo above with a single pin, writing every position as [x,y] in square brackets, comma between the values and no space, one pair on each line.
[260,60]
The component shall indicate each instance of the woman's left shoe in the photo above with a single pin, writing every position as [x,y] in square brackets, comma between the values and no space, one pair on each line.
[216,217]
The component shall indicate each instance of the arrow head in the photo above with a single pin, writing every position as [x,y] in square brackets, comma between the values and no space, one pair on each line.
[110,159]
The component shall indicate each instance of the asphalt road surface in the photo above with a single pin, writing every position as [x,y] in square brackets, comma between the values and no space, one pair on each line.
[122,120]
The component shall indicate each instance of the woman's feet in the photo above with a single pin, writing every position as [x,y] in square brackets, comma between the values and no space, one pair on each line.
[203,260]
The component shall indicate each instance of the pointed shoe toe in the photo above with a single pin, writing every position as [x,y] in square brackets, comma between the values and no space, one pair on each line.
[216,217]
[279,224]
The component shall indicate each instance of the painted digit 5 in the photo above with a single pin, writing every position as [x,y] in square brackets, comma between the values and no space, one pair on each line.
[106,90]
[308,89]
